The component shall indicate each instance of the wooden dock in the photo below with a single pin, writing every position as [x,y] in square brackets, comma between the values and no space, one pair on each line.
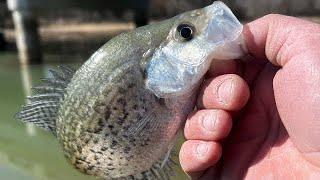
[25,13]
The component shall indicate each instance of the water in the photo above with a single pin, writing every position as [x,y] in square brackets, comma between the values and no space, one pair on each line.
[27,152]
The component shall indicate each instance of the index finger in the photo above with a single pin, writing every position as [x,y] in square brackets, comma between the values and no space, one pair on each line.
[277,38]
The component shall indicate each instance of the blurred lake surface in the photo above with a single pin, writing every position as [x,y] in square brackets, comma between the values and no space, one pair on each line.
[26,152]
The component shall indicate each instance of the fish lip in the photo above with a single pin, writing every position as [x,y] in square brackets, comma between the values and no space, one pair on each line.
[221,20]
[224,32]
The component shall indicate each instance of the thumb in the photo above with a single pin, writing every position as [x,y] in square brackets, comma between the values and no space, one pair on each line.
[293,44]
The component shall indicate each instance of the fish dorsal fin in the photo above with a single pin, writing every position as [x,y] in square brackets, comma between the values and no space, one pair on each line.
[42,107]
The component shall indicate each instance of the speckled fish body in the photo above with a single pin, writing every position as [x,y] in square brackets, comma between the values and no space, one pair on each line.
[119,114]
[111,121]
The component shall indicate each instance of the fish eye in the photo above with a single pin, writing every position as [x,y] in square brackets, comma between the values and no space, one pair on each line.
[185,31]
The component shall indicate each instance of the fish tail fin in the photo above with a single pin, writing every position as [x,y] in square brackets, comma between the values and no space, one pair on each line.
[42,107]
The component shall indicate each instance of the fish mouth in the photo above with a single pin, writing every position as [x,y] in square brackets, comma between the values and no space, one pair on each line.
[224,32]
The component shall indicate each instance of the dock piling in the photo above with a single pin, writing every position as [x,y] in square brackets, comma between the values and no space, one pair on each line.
[26,29]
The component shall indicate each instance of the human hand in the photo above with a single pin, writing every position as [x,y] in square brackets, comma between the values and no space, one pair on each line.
[271,103]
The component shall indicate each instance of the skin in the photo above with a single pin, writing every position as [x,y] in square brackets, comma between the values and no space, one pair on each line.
[259,119]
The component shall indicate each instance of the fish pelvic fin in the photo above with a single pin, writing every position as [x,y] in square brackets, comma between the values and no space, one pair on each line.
[42,107]
[162,170]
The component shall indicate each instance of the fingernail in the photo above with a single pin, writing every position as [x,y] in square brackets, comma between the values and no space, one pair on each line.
[209,122]
[202,149]
[225,91]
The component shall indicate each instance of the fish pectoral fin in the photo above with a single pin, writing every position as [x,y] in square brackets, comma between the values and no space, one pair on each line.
[42,107]
[150,121]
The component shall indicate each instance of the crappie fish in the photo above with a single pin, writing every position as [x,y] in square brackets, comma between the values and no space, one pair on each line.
[119,114]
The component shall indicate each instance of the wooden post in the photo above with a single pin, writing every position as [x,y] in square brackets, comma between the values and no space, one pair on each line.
[2,42]
[141,12]
[27,36]
[27,84]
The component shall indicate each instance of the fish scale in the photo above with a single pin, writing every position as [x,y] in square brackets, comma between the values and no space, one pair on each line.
[120,108]
[118,116]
